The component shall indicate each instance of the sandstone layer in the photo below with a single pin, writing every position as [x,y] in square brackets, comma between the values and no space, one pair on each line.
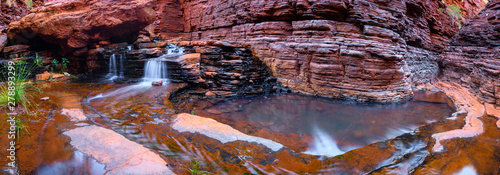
[473,57]
[78,23]
[363,50]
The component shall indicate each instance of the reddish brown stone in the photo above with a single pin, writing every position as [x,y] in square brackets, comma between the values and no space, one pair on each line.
[367,50]
[75,24]
[473,57]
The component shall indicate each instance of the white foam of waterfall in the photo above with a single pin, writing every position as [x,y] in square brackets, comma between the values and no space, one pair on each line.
[323,144]
[116,69]
[156,68]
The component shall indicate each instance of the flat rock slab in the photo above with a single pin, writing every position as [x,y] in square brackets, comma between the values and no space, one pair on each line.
[120,155]
[464,101]
[493,111]
[75,115]
[211,128]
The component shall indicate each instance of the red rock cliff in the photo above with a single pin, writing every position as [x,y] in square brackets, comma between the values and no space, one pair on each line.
[75,24]
[367,50]
[473,58]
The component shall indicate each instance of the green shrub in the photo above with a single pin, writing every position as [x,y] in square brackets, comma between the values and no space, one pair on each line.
[195,168]
[24,91]
[455,13]
[64,63]
[29,3]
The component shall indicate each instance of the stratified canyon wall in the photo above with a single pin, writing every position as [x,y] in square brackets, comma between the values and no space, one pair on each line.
[74,25]
[365,50]
[473,57]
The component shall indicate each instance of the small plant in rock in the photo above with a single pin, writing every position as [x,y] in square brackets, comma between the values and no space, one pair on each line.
[455,13]
[29,3]
[195,168]
[20,127]
[55,64]
[64,63]
[38,61]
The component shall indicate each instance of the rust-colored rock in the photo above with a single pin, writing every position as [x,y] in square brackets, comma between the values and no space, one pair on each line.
[364,50]
[473,57]
[75,24]
[44,76]
[16,49]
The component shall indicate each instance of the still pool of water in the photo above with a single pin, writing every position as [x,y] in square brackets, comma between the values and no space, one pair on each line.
[329,121]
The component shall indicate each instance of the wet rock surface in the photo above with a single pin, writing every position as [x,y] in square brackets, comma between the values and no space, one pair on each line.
[190,123]
[121,156]
[143,114]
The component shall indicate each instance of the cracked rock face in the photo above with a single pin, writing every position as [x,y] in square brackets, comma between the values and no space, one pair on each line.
[364,50]
[77,23]
[472,59]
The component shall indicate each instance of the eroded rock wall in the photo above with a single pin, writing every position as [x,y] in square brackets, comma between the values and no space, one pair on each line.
[473,58]
[365,50]
[222,69]
[75,25]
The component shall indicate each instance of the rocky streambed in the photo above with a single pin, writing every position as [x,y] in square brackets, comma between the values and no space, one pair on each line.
[276,87]
[115,129]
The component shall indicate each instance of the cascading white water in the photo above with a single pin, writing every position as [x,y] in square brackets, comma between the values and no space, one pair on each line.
[115,71]
[156,68]
[323,144]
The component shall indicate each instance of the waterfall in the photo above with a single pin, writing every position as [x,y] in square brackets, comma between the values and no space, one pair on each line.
[323,145]
[156,68]
[116,67]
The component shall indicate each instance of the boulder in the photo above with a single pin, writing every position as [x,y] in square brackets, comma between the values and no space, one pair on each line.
[157,83]
[77,23]
[44,76]
[54,75]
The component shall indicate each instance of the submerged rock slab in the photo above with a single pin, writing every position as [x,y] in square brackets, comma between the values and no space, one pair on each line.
[213,129]
[120,155]
[74,114]
[464,101]
[493,110]
[75,24]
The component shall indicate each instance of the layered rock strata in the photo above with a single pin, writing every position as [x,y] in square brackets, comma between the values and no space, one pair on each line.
[473,57]
[223,69]
[76,24]
[362,50]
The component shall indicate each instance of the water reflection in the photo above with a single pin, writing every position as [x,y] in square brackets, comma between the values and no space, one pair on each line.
[352,125]
[78,164]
